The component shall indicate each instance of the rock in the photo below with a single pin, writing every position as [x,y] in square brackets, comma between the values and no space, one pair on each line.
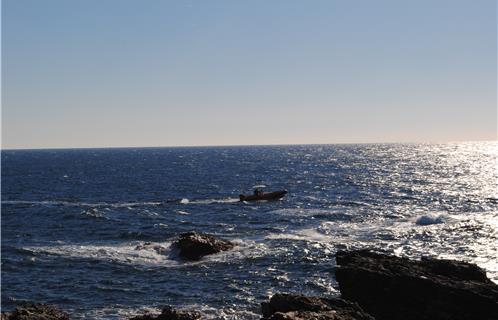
[298,307]
[193,245]
[35,311]
[390,287]
[169,313]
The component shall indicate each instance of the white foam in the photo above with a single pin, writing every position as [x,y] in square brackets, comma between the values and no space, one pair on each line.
[304,212]
[309,234]
[243,249]
[226,313]
[93,212]
[129,253]
[212,201]
[150,253]
[82,204]
[127,205]
[149,213]
[119,312]
[345,233]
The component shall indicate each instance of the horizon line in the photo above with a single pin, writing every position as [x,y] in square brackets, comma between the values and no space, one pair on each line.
[244,145]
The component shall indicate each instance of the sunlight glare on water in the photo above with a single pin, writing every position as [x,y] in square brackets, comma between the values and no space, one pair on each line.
[99,223]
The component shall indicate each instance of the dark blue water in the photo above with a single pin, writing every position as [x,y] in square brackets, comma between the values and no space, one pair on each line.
[73,220]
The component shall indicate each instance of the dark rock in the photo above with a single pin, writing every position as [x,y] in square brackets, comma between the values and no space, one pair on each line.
[390,287]
[35,311]
[298,307]
[193,245]
[169,313]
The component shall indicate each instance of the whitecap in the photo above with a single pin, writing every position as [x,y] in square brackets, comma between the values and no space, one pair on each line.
[309,234]
[160,225]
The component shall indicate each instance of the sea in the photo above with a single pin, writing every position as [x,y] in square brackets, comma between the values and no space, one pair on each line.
[90,230]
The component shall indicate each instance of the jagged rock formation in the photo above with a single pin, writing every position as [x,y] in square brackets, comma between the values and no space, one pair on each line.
[298,307]
[194,245]
[392,288]
[169,313]
[35,311]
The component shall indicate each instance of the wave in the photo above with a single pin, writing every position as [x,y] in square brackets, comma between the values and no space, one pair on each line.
[131,253]
[309,235]
[81,204]
[339,214]
[207,312]
[94,213]
[214,201]
[428,219]
[349,234]
[119,312]
[128,205]
[147,254]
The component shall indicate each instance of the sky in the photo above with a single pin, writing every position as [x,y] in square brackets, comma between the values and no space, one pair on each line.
[119,73]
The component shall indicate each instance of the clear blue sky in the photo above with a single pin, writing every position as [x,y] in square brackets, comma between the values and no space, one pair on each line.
[97,73]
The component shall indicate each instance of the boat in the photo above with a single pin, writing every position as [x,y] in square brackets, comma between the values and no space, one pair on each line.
[275,195]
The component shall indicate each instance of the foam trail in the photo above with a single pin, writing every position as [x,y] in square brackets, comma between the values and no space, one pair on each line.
[81,204]
[213,201]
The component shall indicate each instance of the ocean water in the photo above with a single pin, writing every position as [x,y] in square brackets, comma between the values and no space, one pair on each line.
[74,221]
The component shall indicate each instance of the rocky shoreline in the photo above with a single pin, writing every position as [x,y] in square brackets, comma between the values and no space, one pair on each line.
[373,286]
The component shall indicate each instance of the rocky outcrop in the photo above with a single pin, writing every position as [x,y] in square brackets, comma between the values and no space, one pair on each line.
[298,307]
[35,311]
[169,313]
[390,287]
[194,245]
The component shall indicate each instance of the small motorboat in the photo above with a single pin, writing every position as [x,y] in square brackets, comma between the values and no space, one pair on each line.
[275,195]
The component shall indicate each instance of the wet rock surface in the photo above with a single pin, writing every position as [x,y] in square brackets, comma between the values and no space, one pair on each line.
[298,307]
[35,311]
[169,313]
[194,245]
[390,287]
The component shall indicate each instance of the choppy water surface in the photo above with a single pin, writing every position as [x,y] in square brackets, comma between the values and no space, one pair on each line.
[72,220]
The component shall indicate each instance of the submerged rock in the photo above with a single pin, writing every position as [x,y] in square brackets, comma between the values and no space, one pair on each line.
[194,245]
[298,307]
[35,311]
[169,313]
[390,287]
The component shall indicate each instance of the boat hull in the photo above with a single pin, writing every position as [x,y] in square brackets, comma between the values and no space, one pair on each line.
[265,196]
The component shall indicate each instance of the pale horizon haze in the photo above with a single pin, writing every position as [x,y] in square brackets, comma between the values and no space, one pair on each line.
[150,73]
